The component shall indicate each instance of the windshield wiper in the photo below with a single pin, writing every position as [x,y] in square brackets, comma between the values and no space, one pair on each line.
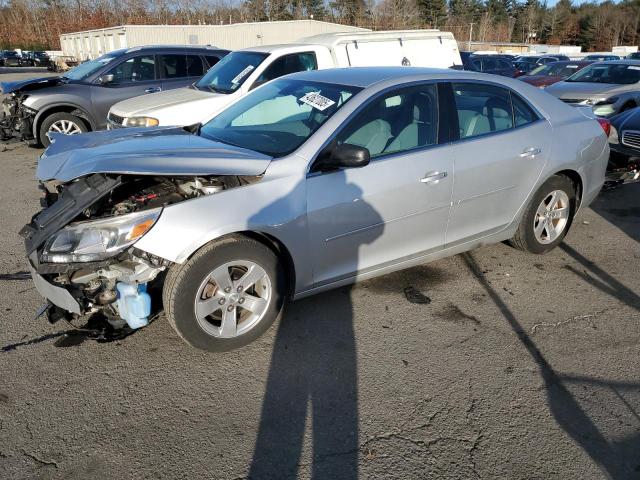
[218,90]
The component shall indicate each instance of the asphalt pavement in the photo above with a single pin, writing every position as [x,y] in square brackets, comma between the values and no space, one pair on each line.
[493,364]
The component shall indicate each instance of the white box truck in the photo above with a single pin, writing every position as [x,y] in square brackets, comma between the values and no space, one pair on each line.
[243,70]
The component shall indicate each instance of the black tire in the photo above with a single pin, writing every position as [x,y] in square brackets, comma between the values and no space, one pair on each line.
[55,117]
[525,238]
[183,281]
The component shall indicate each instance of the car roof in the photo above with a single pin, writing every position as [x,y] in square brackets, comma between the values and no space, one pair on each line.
[169,47]
[367,76]
[624,61]
[575,62]
[280,47]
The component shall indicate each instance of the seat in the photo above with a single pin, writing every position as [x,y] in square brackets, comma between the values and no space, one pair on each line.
[472,123]
[498,112]
[373,136]
[418,133]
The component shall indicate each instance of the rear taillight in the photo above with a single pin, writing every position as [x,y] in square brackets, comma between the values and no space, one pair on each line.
[605,124]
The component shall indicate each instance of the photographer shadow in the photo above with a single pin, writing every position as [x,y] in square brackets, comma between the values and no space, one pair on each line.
[313,378]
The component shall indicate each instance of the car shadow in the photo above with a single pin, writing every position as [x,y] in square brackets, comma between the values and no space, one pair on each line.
[620,206]
[617,458]
[312,384]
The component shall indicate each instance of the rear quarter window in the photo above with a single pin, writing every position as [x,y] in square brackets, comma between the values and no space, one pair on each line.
[523,114]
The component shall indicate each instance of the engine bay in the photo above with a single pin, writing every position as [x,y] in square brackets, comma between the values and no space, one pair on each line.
[116,286]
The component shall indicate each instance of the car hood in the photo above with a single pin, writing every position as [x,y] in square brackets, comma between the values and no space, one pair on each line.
[31,84]
[145,151]
[584,90]
[541,80]
[147,104]
[629,119]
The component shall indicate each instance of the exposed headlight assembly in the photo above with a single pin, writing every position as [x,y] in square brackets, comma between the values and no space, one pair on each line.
[99,239]
[141,122]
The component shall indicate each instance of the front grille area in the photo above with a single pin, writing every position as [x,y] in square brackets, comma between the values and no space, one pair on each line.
[572,100]
[117,119]
[631,138]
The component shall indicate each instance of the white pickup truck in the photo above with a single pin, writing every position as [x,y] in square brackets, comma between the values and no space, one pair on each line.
[243,70]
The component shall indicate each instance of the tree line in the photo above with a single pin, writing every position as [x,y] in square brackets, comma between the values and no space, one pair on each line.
[37,24]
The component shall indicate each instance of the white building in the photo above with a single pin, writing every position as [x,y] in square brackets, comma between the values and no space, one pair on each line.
[93,43]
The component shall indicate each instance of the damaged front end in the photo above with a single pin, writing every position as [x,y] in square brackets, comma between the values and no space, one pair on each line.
[16,119]
[81,246]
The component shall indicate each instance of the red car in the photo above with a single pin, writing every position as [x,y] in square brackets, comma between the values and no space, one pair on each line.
[553,72]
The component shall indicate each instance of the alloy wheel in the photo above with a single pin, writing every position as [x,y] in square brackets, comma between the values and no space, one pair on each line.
[233,299]
[551,217]
[65,126]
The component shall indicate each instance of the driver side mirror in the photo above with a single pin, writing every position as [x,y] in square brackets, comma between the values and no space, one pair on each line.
[343,156]
[106,79]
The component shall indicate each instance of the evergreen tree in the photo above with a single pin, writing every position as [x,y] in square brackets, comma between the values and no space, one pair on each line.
[432,11]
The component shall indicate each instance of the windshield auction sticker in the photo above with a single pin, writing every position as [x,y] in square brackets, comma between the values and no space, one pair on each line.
[317,101]
[238,78]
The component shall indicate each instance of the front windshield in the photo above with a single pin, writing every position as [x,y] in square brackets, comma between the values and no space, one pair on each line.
[279,117]
[87,69]
[228,74]
[616,73]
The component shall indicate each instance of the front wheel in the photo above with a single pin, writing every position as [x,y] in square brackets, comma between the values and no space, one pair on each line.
[548,217]
[60,123]
[227,295]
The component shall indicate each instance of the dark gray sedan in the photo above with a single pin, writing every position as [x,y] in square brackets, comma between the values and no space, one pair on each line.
[79,100]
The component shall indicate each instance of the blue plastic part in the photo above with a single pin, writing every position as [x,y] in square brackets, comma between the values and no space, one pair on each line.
[134,304]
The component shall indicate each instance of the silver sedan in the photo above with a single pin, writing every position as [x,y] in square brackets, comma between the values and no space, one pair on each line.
[313,181]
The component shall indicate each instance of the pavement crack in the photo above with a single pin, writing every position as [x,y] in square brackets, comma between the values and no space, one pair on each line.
[577,318]
[41,461]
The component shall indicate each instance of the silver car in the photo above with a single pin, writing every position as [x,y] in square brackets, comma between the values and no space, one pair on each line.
[312,181]
[607,87]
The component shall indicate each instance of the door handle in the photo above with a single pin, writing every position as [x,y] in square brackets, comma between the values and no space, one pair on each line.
[530,152]
[434,177]
[152,90]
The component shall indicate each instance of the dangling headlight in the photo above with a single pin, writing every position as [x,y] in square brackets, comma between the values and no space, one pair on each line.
[96,240]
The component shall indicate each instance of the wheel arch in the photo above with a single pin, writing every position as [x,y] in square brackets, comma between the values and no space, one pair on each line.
[61,108]
[283,253]
[274,244]
[578,184]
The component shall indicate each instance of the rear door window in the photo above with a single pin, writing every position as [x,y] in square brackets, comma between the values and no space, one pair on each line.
[135,69]
[173,66]
[195,67]
[522,112]
[482,109]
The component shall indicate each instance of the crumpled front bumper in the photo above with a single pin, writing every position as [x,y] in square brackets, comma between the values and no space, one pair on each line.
[16,121]
[56,295]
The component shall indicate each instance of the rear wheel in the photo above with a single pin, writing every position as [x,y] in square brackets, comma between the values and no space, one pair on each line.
[227,295]
[548,217]
[61,122]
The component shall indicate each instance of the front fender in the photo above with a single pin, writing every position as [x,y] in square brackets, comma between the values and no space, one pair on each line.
[274,206]
[60,106]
